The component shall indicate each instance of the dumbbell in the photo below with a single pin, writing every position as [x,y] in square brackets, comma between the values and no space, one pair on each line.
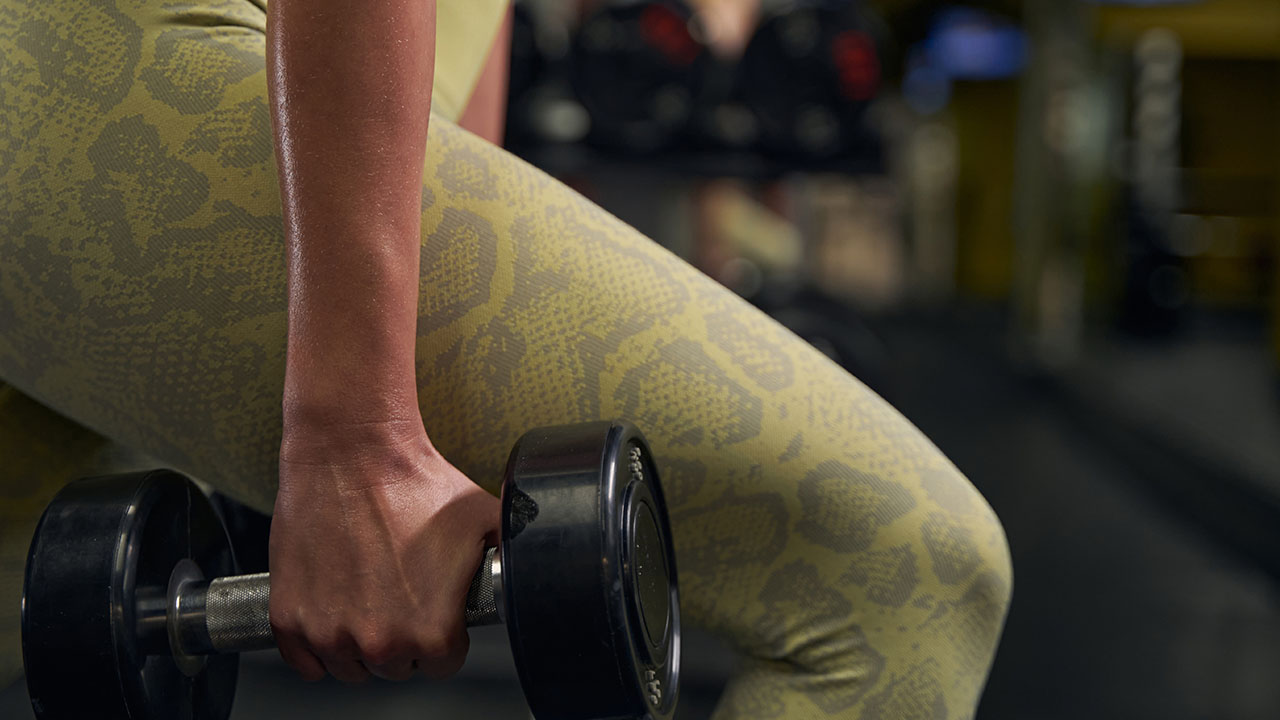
[131,607]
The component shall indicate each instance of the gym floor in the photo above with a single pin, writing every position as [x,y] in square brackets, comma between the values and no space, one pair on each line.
[1123,607]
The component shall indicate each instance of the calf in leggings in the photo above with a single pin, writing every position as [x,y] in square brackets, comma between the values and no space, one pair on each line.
[208,207]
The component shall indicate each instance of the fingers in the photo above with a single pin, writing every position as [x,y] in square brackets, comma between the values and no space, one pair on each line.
[312,654]
[437,659]
[353,662]
[300,659]
[385,654]
[438,652]
[349,671]
[439,670]
[396,672]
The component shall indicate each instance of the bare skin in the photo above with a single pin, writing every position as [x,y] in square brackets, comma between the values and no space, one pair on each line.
[486,111]
[375,536]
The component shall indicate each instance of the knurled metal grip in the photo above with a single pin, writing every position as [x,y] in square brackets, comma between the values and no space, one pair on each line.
[231,614]
[482,599]
[236,613]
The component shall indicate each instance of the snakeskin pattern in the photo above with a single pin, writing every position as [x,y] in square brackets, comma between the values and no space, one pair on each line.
[142,294]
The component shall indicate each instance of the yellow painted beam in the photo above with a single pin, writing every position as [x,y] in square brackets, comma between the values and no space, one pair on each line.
[1212,28]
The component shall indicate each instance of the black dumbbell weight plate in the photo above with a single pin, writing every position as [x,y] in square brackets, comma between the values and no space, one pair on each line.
[102,555]
[589,575]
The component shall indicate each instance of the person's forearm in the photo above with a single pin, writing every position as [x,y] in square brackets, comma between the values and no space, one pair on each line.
[350,90]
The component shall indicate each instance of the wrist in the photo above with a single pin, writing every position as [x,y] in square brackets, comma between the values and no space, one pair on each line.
[370,453]
[317,402]
[344,434]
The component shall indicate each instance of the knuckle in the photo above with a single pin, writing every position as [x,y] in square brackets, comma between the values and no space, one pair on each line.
[328,642]
[284,622]
[436,647]
[441,654]
[380,650]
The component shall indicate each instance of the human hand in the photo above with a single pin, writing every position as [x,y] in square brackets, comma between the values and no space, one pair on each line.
[374,542]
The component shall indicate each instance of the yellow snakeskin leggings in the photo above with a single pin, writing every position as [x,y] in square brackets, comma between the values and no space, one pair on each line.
[142,295]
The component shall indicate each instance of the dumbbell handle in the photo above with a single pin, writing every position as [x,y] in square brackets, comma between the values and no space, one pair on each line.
[229,614]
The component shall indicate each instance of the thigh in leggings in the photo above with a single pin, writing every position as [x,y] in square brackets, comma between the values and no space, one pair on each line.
[142,295]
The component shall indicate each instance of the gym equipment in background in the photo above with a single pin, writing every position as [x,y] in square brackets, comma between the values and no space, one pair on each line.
[639,69]
[541,106]
[808,75]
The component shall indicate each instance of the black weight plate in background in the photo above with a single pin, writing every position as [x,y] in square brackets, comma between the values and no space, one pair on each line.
[808,74]
[101,544]
[639,69]
[593,632]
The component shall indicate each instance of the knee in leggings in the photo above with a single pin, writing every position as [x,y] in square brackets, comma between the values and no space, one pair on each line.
[932,591]
[894,605]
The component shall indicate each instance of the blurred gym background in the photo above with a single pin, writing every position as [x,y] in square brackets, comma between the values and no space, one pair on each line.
[1046,230]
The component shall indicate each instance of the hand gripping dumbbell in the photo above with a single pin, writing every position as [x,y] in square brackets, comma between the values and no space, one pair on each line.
[130,584]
